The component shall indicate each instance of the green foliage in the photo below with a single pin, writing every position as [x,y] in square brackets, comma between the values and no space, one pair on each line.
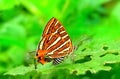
[92,25]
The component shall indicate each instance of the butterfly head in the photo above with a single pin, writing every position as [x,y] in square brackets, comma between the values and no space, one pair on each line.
[41,56]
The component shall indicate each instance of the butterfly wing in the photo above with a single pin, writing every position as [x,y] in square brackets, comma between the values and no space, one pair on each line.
[50,27]
[55,40]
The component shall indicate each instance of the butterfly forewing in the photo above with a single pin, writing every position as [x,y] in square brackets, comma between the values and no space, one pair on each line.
[50,27]
[55,40]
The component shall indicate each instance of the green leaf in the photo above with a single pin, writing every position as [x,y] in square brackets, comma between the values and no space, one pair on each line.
[6,4]
[21,70]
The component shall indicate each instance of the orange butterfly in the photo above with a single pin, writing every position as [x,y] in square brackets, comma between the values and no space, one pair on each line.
[55,43]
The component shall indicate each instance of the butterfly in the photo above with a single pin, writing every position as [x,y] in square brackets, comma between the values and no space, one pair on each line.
[55,43]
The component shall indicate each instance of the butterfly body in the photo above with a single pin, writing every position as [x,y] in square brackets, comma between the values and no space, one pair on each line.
[55,43]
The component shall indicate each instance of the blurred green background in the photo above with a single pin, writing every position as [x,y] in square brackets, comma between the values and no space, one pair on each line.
[94,25]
